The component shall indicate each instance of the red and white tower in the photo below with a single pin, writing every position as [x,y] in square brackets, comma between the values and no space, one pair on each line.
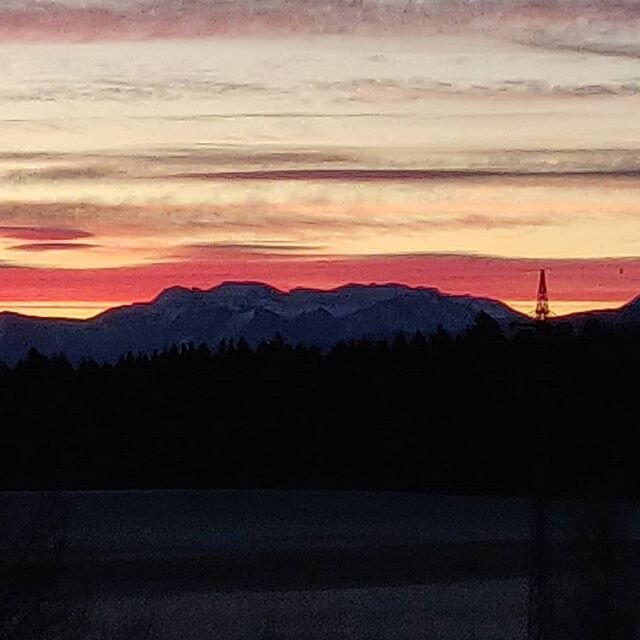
[542,300]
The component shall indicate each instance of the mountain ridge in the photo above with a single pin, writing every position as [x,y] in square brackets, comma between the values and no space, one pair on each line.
[250,310]
[257,311]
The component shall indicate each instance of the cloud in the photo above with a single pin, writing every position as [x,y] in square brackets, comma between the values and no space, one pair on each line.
[479,221]
[395,175]
[311,226]
[262,248]
[136,19]
[288,162]
[262,218]
[64,173]
[162,163]
[391,90]
[42,233]
[53,246]
[613,33]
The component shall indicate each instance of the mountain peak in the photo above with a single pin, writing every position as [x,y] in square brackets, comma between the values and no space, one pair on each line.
[178,294]
[175,293]
[244,287]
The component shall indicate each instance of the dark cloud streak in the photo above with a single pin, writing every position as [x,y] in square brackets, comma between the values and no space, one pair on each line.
[396,175]
[52,246]
[42,233]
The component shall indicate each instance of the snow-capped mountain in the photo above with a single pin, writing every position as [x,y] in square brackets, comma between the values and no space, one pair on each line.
[252,311]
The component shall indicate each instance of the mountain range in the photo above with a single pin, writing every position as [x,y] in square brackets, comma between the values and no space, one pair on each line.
[257,312]
[252,311]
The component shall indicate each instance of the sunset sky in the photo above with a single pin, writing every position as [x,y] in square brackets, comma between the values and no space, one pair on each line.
[456,144]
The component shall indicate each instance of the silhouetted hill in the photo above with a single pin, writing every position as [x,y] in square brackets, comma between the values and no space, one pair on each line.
[252,311]
[625,316]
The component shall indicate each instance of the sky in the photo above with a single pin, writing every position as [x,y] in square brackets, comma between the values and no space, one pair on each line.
[457,144]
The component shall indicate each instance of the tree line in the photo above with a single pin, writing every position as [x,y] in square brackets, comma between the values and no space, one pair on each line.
[545,408]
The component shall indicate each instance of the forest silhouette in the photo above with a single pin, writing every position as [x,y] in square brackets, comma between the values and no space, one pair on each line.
[543,408]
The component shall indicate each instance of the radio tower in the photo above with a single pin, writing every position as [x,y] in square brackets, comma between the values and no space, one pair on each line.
[540,576]
[542,300]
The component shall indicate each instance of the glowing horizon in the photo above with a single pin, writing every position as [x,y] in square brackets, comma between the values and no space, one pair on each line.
[84,310]
[87,311]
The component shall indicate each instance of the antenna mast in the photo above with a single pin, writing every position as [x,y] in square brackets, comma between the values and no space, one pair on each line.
[542,300]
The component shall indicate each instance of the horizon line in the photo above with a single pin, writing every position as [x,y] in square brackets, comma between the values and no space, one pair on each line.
[85,311]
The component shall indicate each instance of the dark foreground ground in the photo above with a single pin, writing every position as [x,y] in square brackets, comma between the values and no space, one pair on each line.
[261,565]
[447,590]
[285,570]
[239,565]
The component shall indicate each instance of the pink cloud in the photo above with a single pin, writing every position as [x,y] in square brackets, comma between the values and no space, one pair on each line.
[171,18]
[52,246]
[42,233]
